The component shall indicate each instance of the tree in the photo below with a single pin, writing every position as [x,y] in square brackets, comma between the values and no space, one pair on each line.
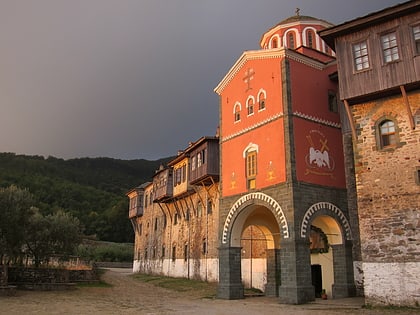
[16,208]
[56,234]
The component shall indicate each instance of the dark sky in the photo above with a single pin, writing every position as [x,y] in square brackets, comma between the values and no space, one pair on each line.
[129,79]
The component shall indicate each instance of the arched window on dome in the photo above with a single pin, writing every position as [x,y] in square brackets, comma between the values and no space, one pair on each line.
[291,40]
[310,38]
[275,43]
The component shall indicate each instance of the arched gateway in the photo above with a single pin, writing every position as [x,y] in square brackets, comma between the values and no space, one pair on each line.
[259,251]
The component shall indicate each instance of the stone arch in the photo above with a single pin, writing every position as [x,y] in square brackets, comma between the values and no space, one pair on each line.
[260,199]
[328,209]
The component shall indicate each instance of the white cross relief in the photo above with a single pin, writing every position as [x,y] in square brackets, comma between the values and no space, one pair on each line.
[249,75]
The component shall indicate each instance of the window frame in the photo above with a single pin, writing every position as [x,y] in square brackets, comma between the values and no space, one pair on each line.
[250,103]
[360,57]
[384,50]
[237,108]
[416,43]
[251,168]
[261,99]
[380,136]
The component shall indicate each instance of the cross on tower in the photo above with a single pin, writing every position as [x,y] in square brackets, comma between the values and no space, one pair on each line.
[249,75]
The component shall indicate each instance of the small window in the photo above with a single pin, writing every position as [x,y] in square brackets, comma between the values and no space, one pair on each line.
[387,134]
[310,36]
[417,175]
[185,252]
[390,47]
[154,252]
[360,56]
[204,246]
[291,40]
[416,34]
[237,112]
[332,102]
[140,228]
[163,251]
[193,163]
[156,224]
[176,218]
[275,43]
[250,106]
[209,206]
[173,253]
[261,101]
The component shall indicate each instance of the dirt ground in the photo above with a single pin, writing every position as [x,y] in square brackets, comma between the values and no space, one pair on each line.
[129,296]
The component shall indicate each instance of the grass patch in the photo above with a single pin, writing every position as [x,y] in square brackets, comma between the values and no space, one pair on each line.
[196,288]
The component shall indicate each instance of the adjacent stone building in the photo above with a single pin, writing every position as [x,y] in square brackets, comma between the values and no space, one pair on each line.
[379,76]
[175,217]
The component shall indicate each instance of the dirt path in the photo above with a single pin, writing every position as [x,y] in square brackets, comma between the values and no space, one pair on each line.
[128,296]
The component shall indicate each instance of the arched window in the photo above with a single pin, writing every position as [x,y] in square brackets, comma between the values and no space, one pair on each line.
[310,38]
[250,105]
[261,100]
[387,133]
[237,112]
[275,43]
[250,155]
[291,40]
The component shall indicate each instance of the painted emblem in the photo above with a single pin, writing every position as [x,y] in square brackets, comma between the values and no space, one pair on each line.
[318,160]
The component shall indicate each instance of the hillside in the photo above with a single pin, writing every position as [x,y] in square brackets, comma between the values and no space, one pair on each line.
[92,189]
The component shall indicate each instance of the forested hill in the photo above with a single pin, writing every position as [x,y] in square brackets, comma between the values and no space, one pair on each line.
[91,189]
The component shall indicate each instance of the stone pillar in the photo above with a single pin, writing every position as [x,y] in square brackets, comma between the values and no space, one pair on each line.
[296,279]
[344,285]
[273,272]
[230,285]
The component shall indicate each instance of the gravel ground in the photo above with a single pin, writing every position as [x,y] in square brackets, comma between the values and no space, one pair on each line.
[128,296]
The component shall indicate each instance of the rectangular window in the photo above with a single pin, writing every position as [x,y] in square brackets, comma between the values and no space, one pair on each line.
[361,56]
[204,246]
[173,253]
[251,169]
[390,47]
[163,251]
[416,34]
[185,252]
[332,102]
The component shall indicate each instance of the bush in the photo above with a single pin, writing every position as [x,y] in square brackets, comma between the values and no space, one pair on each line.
[106,252]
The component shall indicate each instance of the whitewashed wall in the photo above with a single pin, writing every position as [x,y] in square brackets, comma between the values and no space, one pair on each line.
[392,283]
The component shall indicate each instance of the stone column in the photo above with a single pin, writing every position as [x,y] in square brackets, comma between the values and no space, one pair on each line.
[344,285]
[230,278]
[273,272]
[296,280]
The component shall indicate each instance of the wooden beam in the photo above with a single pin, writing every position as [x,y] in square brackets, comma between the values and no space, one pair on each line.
[350,117]
[407,105]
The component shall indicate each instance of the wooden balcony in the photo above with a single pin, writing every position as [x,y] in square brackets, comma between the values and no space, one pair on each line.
[204,161]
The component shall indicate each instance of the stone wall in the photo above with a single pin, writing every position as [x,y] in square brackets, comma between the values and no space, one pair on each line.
[389,200]
[48,279]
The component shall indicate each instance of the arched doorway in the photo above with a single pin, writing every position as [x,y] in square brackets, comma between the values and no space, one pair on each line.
[250,251]
[329,234]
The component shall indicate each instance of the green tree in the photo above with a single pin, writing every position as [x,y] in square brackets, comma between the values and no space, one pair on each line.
[55,234]
[16,208]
